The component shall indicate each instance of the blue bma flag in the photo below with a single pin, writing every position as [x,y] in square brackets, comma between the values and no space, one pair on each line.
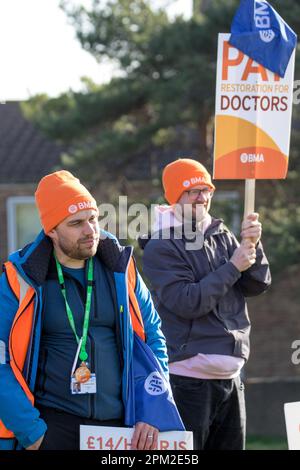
[260,32]
[150,398]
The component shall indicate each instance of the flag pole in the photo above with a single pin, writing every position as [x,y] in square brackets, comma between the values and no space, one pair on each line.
[249,197]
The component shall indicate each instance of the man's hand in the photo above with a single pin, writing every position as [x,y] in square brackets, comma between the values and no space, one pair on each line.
[36,445]
[251,228]
[145,437]
[244,256]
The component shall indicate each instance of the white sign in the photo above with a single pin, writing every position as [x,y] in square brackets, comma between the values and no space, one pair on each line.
[253,117]
[292,421]
[112,438]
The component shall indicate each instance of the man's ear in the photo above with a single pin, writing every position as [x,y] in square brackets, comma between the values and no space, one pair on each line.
[52,234]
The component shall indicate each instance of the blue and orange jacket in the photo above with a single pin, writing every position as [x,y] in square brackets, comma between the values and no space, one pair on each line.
[21,306]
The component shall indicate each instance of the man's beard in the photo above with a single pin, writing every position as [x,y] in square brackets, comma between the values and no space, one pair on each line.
[199,212]
[193,213]
[78,250]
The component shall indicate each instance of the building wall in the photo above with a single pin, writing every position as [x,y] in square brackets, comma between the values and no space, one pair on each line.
[275,319]
[265,405]
[9,190]
[272,378]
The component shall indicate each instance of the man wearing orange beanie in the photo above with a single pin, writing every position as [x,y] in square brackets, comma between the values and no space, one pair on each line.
[66,329]
[200,291]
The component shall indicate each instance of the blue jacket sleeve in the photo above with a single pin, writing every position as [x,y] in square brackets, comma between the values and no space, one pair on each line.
[152,323]
[16,410]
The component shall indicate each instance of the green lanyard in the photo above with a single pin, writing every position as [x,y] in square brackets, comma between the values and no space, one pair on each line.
[83,354]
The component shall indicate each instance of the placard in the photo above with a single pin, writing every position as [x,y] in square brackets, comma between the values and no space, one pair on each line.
[253,117]
[116,438]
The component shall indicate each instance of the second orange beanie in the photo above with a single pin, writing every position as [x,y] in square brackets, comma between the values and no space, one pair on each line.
[182,175]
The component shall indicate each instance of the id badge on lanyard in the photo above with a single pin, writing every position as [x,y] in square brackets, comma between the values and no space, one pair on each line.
[82,380]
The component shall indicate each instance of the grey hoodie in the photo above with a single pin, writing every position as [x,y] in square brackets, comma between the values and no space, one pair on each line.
[200,294]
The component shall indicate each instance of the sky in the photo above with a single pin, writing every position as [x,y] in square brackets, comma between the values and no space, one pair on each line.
[39,52]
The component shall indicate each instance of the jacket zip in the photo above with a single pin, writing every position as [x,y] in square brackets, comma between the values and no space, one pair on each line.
[128,331]
[32,337]
[126,361]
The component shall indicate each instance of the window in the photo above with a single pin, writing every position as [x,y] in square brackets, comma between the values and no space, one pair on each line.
[23,223]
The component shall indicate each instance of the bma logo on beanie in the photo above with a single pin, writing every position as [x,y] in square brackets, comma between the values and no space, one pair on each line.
[73,208]
[181,174]
[60,195]
[193,181]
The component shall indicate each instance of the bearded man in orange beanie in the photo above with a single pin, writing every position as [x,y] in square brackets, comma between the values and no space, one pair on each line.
[200,287]
[66,331]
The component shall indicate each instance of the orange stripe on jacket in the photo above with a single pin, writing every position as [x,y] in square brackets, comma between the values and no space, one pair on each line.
[19,336]
[12,278]
[135,313]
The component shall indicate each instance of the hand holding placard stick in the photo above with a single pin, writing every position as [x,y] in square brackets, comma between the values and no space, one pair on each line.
[244,256]
[251,227]
[250,222]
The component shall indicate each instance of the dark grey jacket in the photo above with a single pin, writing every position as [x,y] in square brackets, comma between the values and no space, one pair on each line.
[200,295]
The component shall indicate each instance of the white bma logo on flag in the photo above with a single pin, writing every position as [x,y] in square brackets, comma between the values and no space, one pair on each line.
[267,35]
[155,384]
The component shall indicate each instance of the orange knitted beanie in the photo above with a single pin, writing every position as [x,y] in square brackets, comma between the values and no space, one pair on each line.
[181,175]
[60,195]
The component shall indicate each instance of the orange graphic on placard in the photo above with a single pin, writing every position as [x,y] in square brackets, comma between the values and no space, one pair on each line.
[243,150]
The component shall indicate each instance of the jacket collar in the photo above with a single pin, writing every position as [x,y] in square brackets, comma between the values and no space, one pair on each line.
[217,226]
[35,258]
